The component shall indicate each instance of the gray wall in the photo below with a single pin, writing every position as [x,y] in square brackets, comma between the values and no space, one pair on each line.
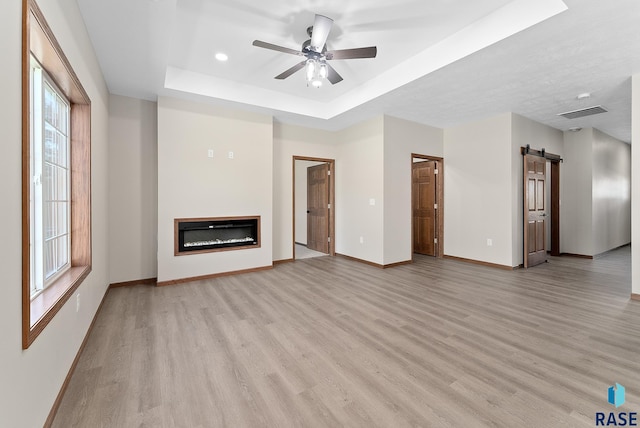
[31,379]
[596,193]
[133,189]
[191,184]
[611,193]
[635,184]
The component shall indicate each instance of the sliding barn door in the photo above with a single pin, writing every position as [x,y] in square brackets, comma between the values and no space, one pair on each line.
[535,215]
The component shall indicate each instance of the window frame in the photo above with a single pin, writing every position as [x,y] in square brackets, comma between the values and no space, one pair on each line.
[38,40]
[37,163]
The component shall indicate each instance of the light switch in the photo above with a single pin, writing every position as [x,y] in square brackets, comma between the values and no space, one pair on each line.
[372,202]
[210,153]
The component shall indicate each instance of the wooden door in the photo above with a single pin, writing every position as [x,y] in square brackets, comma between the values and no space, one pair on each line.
[423,195]
[318,208]
[535,216]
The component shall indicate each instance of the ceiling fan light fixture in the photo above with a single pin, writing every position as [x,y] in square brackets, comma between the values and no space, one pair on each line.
[324,71]
[316,54]
[311,69]
[316,71]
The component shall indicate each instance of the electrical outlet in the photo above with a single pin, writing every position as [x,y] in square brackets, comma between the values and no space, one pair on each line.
[489,242]
[77,302]
[210,153]
[230,155]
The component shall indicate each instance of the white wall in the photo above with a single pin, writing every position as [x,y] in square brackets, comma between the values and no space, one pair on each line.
[538,136]
[31,379]
[290,141]
[635,186]
[133,189]
[359,178]
[611,193]
[190,184]
[478,189]
[301,200]
[401,139]
[596,188]
[576,187]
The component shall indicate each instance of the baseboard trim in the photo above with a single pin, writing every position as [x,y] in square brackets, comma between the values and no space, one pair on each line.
[146,281]
[283,261]
[74,364]
[481,263]
[604,253]
[210,276]
[377,265]
[577,256]
[396,264]
[635,296]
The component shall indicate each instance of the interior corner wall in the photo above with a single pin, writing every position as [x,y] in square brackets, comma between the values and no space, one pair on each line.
[401,139]
[537,136]
[32,378]
[635,185]
[360,191]
[193,185]
[611,199]
[133,189]
[576,232]
[479,191]
[290,141]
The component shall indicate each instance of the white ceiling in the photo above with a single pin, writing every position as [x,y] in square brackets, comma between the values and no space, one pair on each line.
[441,63]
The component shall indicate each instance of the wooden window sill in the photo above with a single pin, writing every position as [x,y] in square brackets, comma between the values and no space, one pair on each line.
[52,298]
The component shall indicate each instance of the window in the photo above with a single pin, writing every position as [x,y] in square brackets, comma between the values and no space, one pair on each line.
[56,176]
[50,181]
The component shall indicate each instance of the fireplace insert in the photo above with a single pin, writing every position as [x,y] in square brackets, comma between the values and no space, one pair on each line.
[198,235]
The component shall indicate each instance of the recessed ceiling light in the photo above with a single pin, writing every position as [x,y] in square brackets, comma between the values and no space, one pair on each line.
[576,129]
[583,96]
[222,57]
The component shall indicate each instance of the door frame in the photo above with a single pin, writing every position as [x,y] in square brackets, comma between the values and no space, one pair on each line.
[555,160]
[439,230]
[332,201]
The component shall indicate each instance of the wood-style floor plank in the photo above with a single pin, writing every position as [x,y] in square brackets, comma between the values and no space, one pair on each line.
[329,342]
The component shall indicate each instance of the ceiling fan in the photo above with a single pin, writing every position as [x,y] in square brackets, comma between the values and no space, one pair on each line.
[316,54]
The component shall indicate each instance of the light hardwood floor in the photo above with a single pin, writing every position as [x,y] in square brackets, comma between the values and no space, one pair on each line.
[330,342]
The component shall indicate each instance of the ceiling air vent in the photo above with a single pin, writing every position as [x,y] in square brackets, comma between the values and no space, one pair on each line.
[584,112]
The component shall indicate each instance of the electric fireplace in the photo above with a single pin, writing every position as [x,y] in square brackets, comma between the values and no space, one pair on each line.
[203,235]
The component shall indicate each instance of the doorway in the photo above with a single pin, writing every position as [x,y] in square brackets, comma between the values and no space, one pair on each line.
[313,207]
[427,202]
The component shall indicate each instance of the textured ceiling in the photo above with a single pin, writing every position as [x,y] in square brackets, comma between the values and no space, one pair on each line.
[441,63]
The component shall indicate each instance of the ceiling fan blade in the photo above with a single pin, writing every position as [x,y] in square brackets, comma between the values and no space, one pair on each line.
[332,75]
[369,52]
[273,47]
[321,28]
[290,71]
